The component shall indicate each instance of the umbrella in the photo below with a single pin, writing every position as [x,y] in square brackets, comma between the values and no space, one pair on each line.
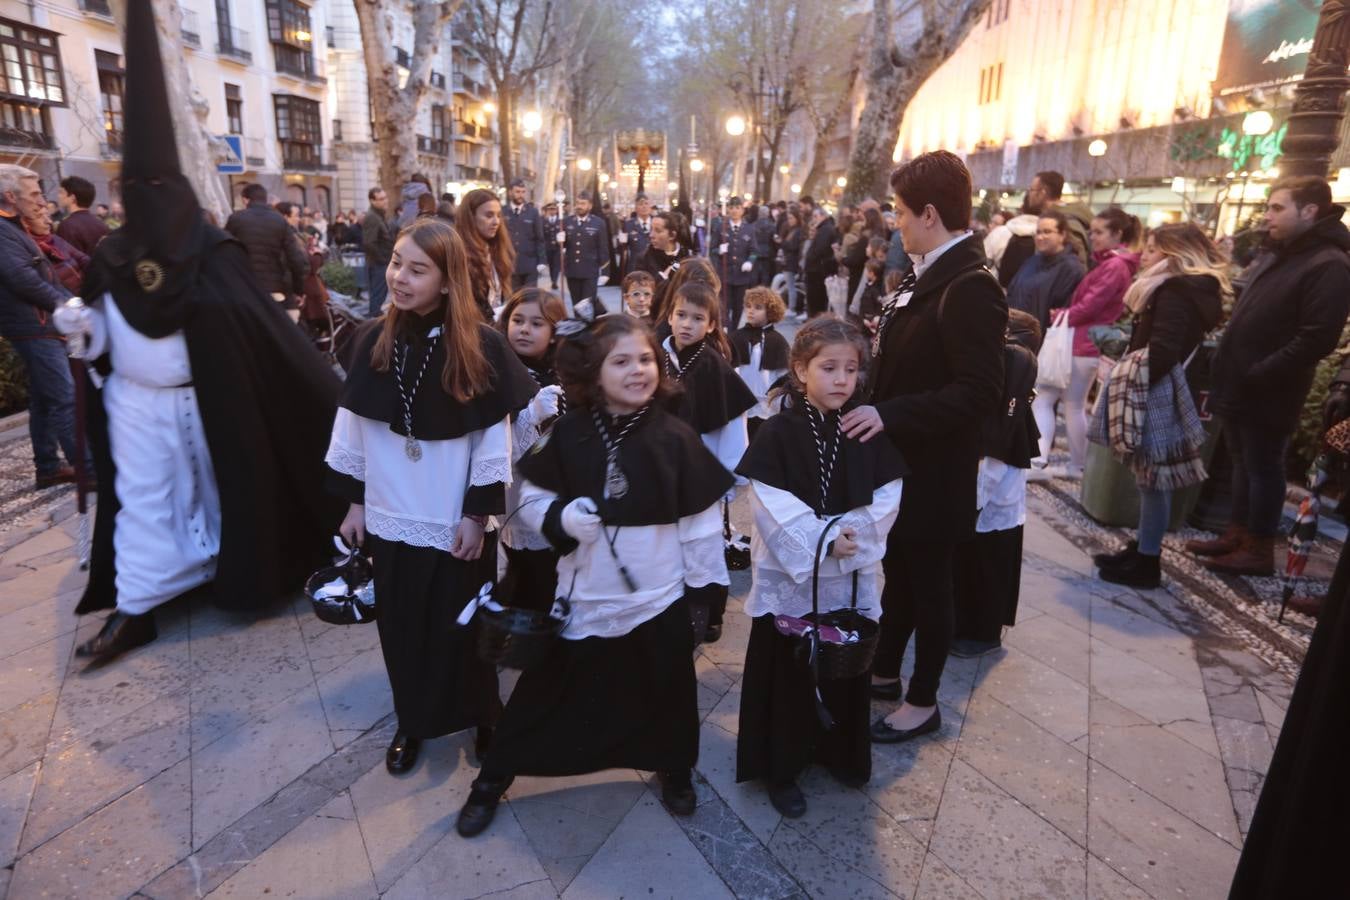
[1302,536]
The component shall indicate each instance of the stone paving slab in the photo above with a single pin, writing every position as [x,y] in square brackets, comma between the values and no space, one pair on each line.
[1113,748]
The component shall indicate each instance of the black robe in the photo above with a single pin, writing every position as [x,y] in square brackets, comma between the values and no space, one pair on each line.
[776,349]
[1300,829]
[780,733]
[622,702]
[267,400]
[714,394]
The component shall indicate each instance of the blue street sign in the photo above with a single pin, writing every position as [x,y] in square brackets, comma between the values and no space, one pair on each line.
[234,165]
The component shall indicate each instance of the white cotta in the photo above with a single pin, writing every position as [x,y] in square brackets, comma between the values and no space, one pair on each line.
[166,535]
[1000,496]
[759,380]
[787,532]
[661,560]
[417,503]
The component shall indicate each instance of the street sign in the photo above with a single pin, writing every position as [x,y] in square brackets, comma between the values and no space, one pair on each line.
[234,163]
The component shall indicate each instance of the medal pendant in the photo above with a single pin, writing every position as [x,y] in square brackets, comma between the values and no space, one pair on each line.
[616,483]
[412,448]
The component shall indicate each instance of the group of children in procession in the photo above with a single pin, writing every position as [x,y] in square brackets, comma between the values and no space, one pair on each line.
[606,451]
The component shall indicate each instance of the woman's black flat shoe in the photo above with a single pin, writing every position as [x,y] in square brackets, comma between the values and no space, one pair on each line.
[402,753]
[479,810]
[788,799]
[677,792]
[885,734]
[893,690]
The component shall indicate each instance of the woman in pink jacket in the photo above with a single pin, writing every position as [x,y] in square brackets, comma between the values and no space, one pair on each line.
[1098,300]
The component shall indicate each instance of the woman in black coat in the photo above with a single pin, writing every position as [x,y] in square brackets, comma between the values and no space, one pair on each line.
[664,253]
[791,237]
[938,373]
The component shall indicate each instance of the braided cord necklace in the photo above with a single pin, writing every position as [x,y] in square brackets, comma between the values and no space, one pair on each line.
[826,452]
[616,483]
[411,448]
[673,361]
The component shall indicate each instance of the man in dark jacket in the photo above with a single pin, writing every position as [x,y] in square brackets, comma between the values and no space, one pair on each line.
[936,377]
[525,225]
[1289,315]
[765,249]
[80,228]
[734,257]
[586,254]
[819,262]
[277,259]
[29,292]
[377,240]
[636,234]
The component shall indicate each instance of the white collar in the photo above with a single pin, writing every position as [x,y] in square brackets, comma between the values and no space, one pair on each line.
[924,261]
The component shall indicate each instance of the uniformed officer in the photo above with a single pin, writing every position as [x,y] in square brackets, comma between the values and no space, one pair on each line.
[585,239]
[552,225]
[734,256]
[637,233]
[525,226]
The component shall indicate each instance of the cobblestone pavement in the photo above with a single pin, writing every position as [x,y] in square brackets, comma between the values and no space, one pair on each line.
[1113,748]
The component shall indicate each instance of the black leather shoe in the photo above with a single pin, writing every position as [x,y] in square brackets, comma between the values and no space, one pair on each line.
[891,691]
[885,734]
[119,634]
[712,634]
[402,753]
[968,649]
[479,810]
[1101,560]
[677,792]
[787,798]
[1138,571]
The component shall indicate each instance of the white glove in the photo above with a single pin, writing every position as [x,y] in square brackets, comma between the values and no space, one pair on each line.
[602,281]
[545,404]
[562,237]
[579,520]
[722,249]
[73,317]
[747,266]
[623,237]
[542,268]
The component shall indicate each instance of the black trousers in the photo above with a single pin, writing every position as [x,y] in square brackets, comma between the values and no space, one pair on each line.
[522,280]
[917,600]
[586,289]
[817,300]
[987,579]
[735,302]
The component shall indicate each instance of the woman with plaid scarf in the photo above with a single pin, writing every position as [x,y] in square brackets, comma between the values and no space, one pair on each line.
[1146,414]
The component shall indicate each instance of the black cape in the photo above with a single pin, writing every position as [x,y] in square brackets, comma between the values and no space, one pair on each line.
[775,355]
[436,415]
[670,473]
[713,393]
[783,455]
[267,400]
[1300,830]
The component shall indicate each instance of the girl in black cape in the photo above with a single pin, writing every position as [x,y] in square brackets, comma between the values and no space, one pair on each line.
[528,322]
[760,353]
[715,400]
[421,449]
[803,472]
[629,496]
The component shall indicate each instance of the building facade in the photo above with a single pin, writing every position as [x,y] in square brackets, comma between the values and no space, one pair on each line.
[286,78]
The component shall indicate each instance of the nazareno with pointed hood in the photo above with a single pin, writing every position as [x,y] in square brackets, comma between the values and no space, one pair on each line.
[266,397]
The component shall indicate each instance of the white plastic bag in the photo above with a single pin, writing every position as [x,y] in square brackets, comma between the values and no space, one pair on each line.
[1055,362]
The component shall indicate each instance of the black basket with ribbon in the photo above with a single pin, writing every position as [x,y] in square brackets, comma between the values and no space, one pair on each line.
[736,546]
[513,637]
[344,594]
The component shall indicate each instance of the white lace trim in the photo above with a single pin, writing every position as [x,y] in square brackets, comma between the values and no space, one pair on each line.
[412,532]
[705,561]
[345,461]
[490,471]
[776,592]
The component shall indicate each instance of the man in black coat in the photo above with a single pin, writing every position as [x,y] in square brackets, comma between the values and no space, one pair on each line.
[936,376]
[585,254]
[80,228]
[277,259]
[1289,315]
[734,257]
[377,240]
[765,250]
[818,262]
[636,235]
[525,225]
[552,225]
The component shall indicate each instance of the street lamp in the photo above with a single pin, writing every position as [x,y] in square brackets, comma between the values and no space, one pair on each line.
[672,186]
[489,107]
[736,126]
[1257,123]
[696,165]
[783,169]
[532,120]
[1096,150]
[584,164]
[796,189]
[841,182]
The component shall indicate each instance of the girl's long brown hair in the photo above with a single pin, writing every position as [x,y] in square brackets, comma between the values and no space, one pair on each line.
[485,255]
[467,372]
[695,269]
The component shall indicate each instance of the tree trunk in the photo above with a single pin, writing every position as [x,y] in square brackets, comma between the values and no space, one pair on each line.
[199,150]
[394,109]
[895,72]
[815,178]
[506,116]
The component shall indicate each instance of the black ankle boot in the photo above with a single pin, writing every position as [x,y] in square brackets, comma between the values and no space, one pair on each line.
[677,792]
[479,810]
[1102,560]
[1140,571]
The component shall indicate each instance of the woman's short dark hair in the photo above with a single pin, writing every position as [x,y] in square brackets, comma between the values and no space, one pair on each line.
[1061,221]
[938,179]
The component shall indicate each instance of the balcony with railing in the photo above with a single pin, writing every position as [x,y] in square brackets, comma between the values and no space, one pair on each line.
[190,30]
[475,173]
[297,156]
[97,7]
[233,43]
[25,125]
[433,146]
[467,86]
[437,80]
